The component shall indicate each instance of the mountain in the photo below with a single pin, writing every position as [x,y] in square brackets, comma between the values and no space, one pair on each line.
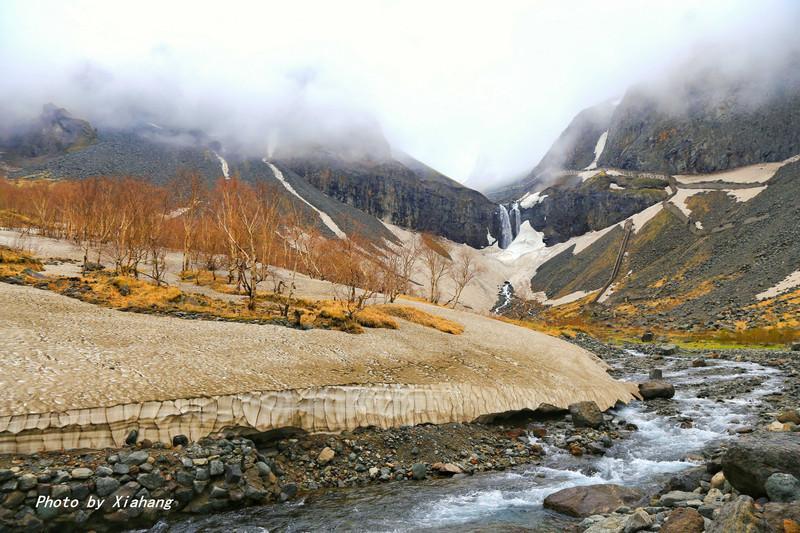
[675,207]
[355,178]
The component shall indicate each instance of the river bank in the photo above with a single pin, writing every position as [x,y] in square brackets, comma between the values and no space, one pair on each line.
[451,476]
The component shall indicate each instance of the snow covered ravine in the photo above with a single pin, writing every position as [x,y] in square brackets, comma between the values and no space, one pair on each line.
[512,500]
[326,219]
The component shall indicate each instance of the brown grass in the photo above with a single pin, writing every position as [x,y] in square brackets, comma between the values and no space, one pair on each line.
[418,316]
[13,262]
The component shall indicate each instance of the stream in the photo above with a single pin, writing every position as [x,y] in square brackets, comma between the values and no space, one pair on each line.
[512,500]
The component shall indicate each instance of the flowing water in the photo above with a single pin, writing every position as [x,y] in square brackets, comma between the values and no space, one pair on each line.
[512,500]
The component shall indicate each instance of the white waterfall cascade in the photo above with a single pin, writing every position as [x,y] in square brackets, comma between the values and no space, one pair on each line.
[516,220]
[326,219]
[224,165]
[506,235]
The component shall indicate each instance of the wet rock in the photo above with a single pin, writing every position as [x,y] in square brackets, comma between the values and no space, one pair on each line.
[738,516]
[656,374]
[586,414]
[419,471]
[326,456]
[592,499]
[233,474]
[180,440]
[750,461]
[683,520]
[783,487]
[689,479]
[648,336]
[14,499]
[656,389]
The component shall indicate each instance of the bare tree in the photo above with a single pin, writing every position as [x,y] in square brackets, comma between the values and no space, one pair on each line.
[462,272]
[436,265]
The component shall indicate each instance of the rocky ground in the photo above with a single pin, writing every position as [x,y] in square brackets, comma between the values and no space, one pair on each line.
[222,473]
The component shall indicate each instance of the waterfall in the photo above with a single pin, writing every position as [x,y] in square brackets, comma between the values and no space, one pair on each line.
[516,220]
[506,235]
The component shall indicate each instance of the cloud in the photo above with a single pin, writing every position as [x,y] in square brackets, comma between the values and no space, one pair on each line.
[459,85]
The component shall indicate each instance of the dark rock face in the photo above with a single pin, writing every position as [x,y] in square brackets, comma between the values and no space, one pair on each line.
[706,123]
[55,132]
[395,193]
[586,414]
[750,461]
[651,390]
[592,499]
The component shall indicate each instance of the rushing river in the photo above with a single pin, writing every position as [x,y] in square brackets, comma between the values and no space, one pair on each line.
[512,500]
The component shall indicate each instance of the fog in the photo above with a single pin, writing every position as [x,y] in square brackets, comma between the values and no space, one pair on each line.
[478,92]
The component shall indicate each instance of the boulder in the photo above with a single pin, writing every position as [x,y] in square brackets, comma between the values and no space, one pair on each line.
[790,415]
[667,349]
[738,516]
[592,499]
[419,471]
[795,346]
[653,389]
[683,520]
[446,468]
[778,515]
[648,336]
[750,461]
[699,363]
[637,521]
[783,488]
[674,497]
[718,480]
[586,414]
[689,479]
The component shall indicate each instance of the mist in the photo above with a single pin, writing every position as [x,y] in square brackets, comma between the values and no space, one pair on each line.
[479,94]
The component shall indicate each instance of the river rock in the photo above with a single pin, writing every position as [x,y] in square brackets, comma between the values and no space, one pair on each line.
[136,458]
[778,515]
[683,520]
[667,349]
[106,485]
[27,482]
[656,389]
[780,487]
[750,461]
[637,521]
[419,471]
[674,497]
[614,523]
[81,473]
[790,415]
[738,516]
[586,414]
[446,468]
[689,479]
[718,480]
[592,499]
[326,456]
[699,363]
[656,373]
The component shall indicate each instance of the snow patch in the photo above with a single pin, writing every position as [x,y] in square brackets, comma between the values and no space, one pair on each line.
[615,187]
[530,199]
[528,240]
[744,195]
[758,173]
[789,282]
[327,220]
[571,297]
[682,195]
[698,224]
[598,150]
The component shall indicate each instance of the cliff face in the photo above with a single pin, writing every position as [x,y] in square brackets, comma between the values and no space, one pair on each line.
[55,132]
[405,196]
[706,124]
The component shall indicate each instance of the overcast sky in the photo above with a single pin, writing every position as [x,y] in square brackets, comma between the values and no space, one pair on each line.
[456,84]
